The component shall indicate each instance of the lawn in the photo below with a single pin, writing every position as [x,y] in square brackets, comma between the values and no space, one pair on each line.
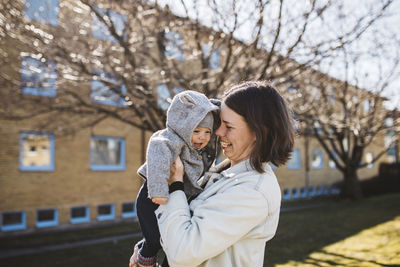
[339,233]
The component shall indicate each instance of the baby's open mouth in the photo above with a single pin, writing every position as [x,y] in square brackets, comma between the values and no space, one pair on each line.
[198,145]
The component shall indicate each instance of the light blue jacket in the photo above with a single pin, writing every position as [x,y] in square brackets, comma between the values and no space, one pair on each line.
[228,224]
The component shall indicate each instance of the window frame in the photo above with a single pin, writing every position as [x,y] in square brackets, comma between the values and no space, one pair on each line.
[321,154]
[108,102]
[171,41]
[120,167]
[50,167]
[131,214]
[106,217]
[31,14]
[50,91]
[296,165]
[13,227]
[83,219]
[48,223]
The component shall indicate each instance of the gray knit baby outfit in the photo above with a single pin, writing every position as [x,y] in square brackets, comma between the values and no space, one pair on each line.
[188,110]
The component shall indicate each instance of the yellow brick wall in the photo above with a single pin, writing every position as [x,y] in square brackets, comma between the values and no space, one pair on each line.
[72,183]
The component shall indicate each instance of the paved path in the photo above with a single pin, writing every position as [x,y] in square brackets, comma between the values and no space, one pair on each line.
[26,251]
[83,243]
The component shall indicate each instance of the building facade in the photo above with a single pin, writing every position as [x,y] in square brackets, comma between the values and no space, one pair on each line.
[89,175]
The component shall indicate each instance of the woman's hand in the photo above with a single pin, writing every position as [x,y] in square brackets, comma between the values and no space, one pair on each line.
[176,174]
[159,200]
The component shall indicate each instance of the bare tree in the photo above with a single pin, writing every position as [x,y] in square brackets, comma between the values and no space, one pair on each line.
[125,59]
[347,119]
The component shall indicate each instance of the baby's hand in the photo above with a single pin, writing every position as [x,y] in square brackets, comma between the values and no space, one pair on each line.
[159,200]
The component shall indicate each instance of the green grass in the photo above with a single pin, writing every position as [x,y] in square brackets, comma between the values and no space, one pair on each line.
[320,236]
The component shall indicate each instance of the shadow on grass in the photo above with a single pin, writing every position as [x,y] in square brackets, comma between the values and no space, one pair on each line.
[305,231]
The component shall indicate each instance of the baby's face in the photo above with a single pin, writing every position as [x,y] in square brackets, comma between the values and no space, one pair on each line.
[200,137]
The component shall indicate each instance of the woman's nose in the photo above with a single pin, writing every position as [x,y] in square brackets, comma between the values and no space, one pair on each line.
[219,131]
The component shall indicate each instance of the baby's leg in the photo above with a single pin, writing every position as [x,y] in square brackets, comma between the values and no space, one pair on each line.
[148,223]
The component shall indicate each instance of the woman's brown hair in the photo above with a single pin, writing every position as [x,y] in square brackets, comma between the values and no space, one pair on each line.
[268,116]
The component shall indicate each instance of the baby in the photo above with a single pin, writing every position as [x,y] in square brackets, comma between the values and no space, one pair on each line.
[189,135]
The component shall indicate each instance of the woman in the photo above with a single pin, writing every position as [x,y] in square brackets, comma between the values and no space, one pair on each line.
[238,211]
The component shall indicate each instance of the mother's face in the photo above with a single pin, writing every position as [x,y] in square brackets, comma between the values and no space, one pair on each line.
[237,140]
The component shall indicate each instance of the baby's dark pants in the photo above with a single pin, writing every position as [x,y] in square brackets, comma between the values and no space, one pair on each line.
[148,223]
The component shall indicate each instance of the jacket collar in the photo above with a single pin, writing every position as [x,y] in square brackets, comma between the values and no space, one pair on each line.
[243,166]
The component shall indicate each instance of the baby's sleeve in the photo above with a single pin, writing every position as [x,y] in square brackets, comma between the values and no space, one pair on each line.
[160,156]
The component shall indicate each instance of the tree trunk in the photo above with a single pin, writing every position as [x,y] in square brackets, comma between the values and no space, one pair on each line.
[351,186]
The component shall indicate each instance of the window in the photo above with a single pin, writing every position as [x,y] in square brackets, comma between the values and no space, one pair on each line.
[335,190]
[311,191]
[173,45]
[164,95]
[101,30]
[295,193]
[128,210]
[366,105]
[38,76]
[36,151]
[13,220]
[105,212]
[213,57]
[319,190]
[369,158]
[326,190]
[80,214]
[331,163]
[295,162]
[317,159]
[107,153]
[303,192]
[45,11]
[107,90]
[46,218]
[286,194]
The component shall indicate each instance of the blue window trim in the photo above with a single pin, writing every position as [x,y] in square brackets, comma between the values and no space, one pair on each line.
[50,91]
[120,103]
[331,163]
[311,191]
[319,153]
[129,214]
[371,165]
[48,223]
[83,219]
[296,165]
[303,192]
[119,167]
[13,227]
[105,217]
[286,194]
[295,193]
[50,167]
[174,41]
[32,11]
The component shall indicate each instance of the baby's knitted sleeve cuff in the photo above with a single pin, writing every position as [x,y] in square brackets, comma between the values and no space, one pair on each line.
[175,186]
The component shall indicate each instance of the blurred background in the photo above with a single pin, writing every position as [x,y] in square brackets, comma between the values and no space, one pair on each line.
[84,84]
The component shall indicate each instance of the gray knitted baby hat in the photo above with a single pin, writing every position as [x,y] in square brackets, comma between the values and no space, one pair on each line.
[207,122]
